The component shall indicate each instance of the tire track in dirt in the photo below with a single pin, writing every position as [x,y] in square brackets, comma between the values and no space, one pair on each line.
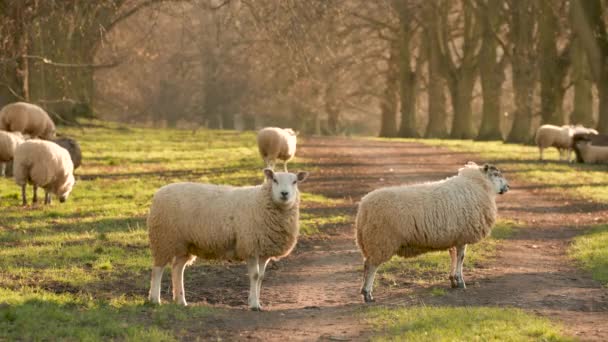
[314,293]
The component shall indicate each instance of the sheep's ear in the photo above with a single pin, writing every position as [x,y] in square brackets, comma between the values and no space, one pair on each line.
[302,175]
[269,173]
[486,167]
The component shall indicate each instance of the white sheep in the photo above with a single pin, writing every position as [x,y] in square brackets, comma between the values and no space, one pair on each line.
[413,219]
[560,138]
[277,143]
[27,118]
[590,153]
[43,164]
[8,143]
[255,224]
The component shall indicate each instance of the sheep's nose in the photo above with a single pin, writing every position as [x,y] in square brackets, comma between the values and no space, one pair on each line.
[284,193]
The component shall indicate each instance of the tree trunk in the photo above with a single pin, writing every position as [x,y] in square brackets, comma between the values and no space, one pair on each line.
[437,127]
[388,124]
[407,76]
[523,67]
[492,76]
[602,88]
[462,93]
[553,67]
[582,113]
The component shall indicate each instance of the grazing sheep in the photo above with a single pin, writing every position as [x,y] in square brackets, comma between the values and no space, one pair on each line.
[255,224]
[590,153]
[73,148]
[27,118]
[8,143]
[594,139]
[276,143]
[414,219]
[43,164]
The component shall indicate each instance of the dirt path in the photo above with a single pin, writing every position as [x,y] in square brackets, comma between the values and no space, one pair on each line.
[313,294]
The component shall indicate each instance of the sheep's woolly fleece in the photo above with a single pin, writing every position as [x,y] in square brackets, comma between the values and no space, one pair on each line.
[44,164]
[276,143]
[410,220]
[220,222]
[8,143]
[28,119]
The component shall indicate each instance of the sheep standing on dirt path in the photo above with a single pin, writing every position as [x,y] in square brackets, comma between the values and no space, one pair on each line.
[277,143]
[28,119]
[590,153]
[414,219]
[255,224]
[8,143]
[43,164]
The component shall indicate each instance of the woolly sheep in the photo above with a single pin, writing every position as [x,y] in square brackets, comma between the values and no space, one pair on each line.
[255,224]
[590,153]
[414,219]
[560,138]
[276,143]
[27,118]
[73,148]
[43,164]
[8,143]
[594,139]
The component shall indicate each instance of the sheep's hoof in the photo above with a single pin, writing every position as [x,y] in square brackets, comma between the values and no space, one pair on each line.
[461,285]
[367,296]
[256,308]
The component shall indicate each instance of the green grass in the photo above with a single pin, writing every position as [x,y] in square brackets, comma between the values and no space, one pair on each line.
[65,266]
[434,267]
[590,250]
[521,162]
[423,323]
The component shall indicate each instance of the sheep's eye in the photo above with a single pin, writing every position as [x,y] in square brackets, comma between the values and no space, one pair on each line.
[275,181]
[294,182]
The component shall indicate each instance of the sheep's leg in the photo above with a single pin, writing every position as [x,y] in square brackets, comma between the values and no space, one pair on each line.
[540,152]
[177,279]
[23,195]
[2,169]
[157,276]
[569,155]
[35,199]
[369,272]
[253,269]
[47,197]
[460,250]
[453,266]
[262,269]
[285,166]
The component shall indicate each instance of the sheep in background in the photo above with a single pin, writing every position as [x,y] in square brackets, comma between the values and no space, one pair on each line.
[414,219]
[554,136]
[590,153]
[73,148]
[8,143]
[28,119]
[594,139]
[255,224]
[43,164]
[276,143]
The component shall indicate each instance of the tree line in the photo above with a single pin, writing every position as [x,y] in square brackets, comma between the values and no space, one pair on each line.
[465,69]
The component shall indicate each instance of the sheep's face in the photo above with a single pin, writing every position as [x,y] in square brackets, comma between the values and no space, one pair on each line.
[498,181]
[66,189]
[284,186]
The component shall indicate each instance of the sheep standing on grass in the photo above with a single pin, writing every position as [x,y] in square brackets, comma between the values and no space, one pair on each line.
[415,219]
[255,224]
[8,143]
[43,164]
[277,143]
[28,119]
[591,154]
[560,138]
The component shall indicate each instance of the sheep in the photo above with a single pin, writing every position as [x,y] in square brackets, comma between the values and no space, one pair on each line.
[43,164]
[590,153]
[73,148]
[8,143]
[27,118]
[554,136]
[595,139]
[276,143]
[414,219]
[256,224]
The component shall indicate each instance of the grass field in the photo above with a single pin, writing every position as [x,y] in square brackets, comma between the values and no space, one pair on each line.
[427,323]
